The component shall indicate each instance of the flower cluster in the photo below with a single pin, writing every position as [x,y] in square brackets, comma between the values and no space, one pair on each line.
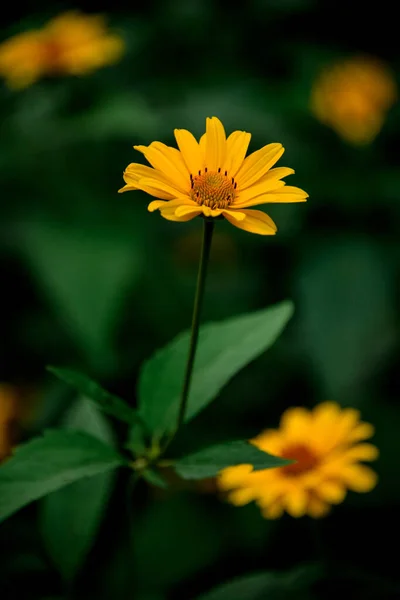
[70,44]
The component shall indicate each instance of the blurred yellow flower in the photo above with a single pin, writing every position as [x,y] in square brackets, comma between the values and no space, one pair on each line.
[70,44]
[325,444]
[213,178]
[9,414]
[352,97]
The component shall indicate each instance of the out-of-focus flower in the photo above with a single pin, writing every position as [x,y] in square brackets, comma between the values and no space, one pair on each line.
[353,97]
[213,178]
[325,444]
[70,44]
[9,416]
[22,59]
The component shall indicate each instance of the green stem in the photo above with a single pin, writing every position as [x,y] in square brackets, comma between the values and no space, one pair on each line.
[201,280]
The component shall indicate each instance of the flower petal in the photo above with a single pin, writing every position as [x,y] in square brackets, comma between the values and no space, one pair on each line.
[256,221]
[317,508]
[236,148]
[190,150]
[296,502]
[169,161]
[182,211]
[362,452]
[165,188]
[242,496]
[257,164]
[235,214]
[359,478]
[332,491]
[215,144]
[284,195]
[155,205]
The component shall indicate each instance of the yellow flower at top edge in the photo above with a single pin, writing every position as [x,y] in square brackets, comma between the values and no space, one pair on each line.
[79,44]
[213,178]
[353,97]
[328,446]
[70,44]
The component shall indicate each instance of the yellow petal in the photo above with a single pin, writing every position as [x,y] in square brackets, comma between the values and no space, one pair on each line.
[317,508]
[235,214]
[232,477]
[296,502]
[273,511]
[257,164]
[241,497]
[169,161]
[215,144]
[359,478]
[256,221]
[164,188]
[136,171]
[155,205]
[236,148]
[128,188]
[362,431]
[186,210]
[202,146]
[362,452]
[332,492]
[190,150]
[257,190]
[210,212]
[296,423]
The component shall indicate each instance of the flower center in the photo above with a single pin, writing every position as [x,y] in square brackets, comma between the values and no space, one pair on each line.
[213,189]
[306,460]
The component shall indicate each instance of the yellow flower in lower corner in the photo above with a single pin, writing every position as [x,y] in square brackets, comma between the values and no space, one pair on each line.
[213,178]
[328,446]
[353,96]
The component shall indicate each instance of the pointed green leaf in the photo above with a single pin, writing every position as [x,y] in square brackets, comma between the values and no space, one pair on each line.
[224,348]
[294,584]
[70,517]
[110,404]
[154,478]
[208,462]
[50,462]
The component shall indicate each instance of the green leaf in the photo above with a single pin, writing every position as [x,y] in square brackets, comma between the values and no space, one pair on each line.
[224,348]
[110,404]
[84,271]
[154,478]
[207,462]
[70,517]
[50,462]
[258,586]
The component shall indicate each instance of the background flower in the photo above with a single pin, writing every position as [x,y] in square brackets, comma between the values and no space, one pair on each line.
[325,445]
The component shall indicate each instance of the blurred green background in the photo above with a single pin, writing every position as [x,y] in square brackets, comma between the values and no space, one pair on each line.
[91,280]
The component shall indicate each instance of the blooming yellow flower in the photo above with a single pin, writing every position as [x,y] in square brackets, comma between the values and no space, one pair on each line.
[213,178]
[324,442]
[70,44]
[353,97]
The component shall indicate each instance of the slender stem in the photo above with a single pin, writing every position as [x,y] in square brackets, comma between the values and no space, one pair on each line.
[201,280]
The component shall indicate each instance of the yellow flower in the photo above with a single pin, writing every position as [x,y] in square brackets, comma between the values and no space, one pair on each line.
[353,97]
[79,44]
[325,444]
[71,43]
[213,178]
[23,59]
